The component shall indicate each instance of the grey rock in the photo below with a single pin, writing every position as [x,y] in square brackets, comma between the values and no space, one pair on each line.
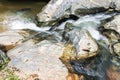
[117,2]
[114,24]
[85,45]
[38,61]
[57,8]
[10,38]
[115,49]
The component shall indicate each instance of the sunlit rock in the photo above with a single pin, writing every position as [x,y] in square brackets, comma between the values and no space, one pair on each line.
[38,61]
[93,68]
[114,24]
[85,45]
[115,48]
[57,8]
[10,38]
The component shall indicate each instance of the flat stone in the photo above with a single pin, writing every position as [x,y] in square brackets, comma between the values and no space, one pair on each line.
[10,38]
[38,61]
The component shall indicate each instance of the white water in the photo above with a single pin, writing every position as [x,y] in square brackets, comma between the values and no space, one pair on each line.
[89,22]
[18,21]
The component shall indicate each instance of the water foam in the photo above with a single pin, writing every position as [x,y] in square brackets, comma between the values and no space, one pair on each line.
[21,22]
[91,23]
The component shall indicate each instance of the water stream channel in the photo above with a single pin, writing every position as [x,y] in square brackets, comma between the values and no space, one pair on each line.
[21,15]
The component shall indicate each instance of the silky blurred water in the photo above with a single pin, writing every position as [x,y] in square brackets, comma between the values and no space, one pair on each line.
[18,14]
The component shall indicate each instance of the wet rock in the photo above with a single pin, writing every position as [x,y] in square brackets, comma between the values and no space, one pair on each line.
[3,48]
[111,34]
[115,48]
[10,38]
[57,8]
[114,24]
[38,61]
[82,46]
[85,45]
[92,68]
[89,11]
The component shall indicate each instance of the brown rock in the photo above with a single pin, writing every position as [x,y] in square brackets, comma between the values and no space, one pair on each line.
[72,76]
[113,74]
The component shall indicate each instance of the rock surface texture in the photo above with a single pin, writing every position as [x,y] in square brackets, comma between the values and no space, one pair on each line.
[57,8]
[10,38]
[85,45]
[38,61]
[80,40]
[114,24]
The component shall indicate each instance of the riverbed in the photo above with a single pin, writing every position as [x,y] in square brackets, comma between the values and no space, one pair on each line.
[21,15]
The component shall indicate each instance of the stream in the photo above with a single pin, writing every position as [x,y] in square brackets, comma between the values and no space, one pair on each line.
[17,15]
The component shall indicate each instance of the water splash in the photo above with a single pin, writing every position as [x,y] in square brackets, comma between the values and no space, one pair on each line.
[21,21]
[92,23]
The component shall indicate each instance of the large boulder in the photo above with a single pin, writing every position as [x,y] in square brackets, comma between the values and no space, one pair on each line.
[57,8]
[85,45]
[38,61]
[82,47]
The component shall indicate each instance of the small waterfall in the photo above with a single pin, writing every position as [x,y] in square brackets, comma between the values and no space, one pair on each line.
[90,23]
[20,20]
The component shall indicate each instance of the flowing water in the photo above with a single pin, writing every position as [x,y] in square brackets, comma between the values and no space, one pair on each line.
[21,15]
[18,14]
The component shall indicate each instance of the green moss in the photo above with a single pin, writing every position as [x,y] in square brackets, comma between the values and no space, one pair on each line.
[41,24]
[9,75]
